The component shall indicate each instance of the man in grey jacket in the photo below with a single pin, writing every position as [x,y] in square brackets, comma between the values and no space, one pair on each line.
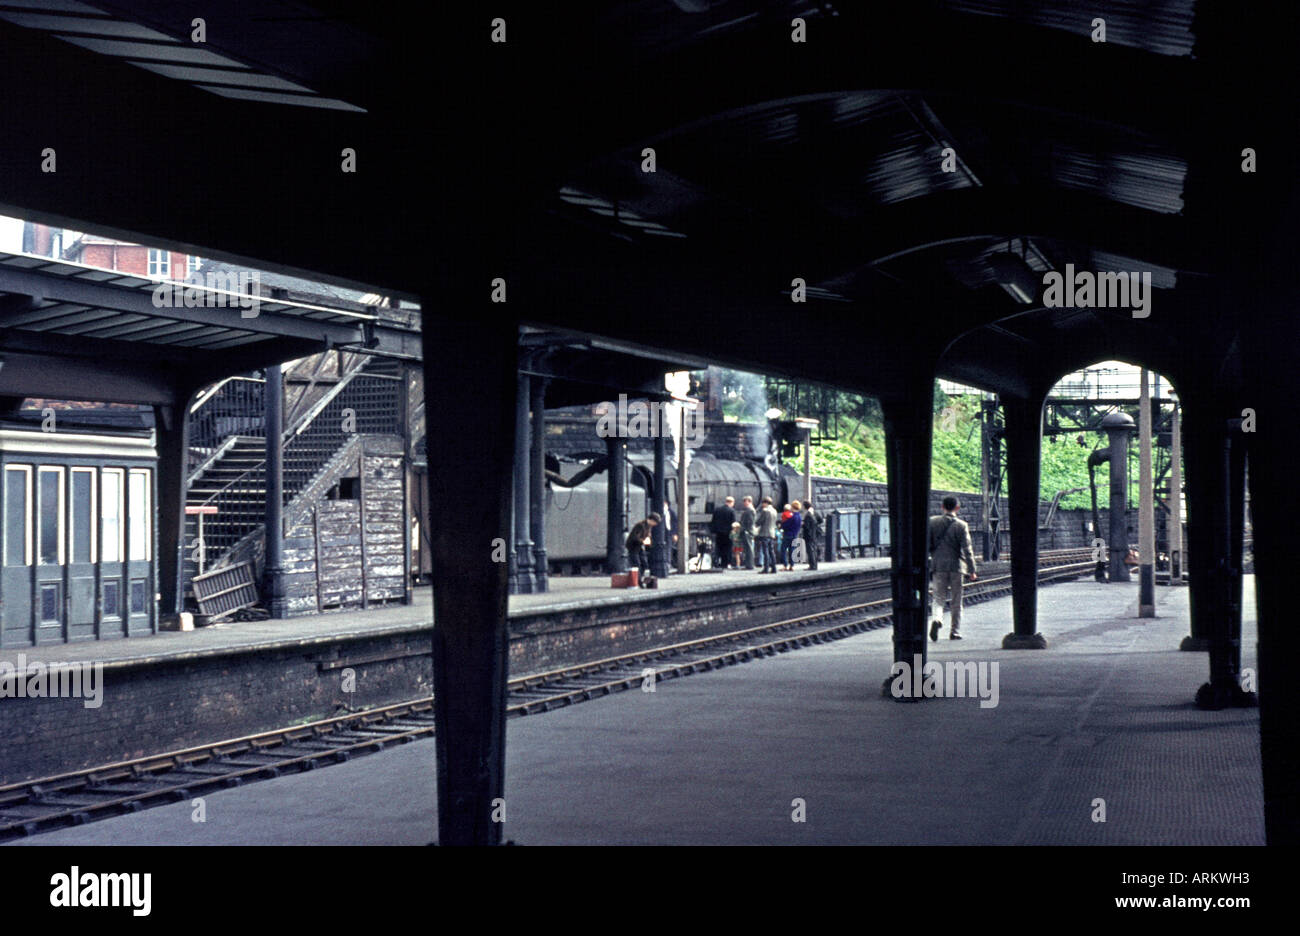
[952,560]
[767,537]
[747,517]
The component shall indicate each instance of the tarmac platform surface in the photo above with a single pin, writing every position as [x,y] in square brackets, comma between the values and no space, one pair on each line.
[731,756]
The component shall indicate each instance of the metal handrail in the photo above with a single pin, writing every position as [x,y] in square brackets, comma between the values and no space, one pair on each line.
[327,397]
[307,417]
[213,390]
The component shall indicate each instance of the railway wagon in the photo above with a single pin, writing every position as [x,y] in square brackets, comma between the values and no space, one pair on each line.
[78,513]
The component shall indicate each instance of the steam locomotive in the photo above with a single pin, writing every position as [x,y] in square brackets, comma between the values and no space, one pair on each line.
[577,507]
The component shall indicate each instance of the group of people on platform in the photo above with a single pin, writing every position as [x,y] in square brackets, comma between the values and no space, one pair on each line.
[745,536]
[741,537]
[795,534]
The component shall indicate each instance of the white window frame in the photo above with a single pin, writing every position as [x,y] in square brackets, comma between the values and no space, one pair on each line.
[148,513]
[120,474]
[31,509]
[159,262]
[61,514]
[94,513]
[192,264]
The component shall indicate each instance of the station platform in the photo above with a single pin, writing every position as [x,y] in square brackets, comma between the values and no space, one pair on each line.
[1103,718]
[566,591]
[174,690]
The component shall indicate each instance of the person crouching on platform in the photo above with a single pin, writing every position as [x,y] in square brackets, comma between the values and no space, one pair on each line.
[953,559]
[637,542]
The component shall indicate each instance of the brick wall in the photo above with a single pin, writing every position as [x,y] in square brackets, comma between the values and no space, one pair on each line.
[170,703]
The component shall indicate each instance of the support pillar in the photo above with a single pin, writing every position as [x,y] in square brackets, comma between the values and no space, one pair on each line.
[1224,631]
[807,464]
[172,426]
[1207,536]
[909,427]
[1176,497]
[1024,436]
[683,527]
[537,485]
[470,367]
[1272,484]
[273,574]
[523,538]
[1118,426]
[659,549]
[615,550]
[1146,507]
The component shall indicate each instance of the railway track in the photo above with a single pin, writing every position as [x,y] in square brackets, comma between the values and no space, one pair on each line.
[83,796]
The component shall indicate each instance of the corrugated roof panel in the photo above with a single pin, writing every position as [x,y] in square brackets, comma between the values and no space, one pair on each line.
[1162,27]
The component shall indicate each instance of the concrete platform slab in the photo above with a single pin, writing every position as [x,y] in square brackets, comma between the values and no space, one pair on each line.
[1103,717]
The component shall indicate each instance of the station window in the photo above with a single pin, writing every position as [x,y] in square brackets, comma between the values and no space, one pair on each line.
[112,599]
[82,520]
[193,263]
[140,548]
[160,262]
[52,512]
[18,519]
[111,505]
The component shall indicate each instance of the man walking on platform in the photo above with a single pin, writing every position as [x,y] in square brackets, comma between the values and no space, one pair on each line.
[723,517]
[748,516]
[953,559]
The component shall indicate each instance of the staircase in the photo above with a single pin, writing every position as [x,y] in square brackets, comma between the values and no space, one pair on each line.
[237,479]
[366,396]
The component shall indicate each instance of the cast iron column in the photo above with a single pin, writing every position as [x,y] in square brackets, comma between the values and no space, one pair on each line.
[1118,426]
[908,435]
[615,551]
[659,551]
[1146,506]
[172,425]
[523,583]
[1024,438]
[537,490]
[683,526]
[470,368]
[1206,484]
[273,576]
[1176,496]
[1224,687]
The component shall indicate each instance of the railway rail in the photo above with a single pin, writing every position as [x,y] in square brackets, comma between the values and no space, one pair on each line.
[82,796]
